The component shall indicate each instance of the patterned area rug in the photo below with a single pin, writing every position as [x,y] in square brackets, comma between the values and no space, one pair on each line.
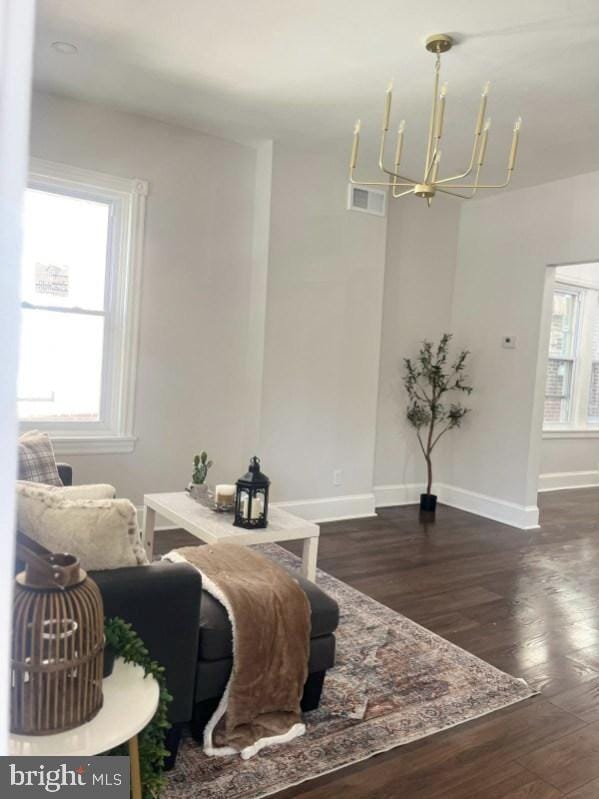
[394,682]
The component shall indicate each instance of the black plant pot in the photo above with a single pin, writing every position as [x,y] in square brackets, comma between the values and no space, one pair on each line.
[428,502]
[108,661]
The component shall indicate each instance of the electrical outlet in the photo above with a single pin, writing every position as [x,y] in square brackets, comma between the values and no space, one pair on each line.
[337,477]
[508,342]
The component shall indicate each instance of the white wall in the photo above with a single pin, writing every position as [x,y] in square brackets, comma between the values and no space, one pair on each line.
[568,462]
[197,273]
[506,243]
[261,309]
[419,278]
[322,336]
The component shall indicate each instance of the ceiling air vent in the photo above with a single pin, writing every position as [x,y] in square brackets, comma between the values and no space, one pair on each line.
[369,201]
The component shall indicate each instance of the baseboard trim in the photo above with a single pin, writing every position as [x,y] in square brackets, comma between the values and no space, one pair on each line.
[524,517]
[332,509]
[387,496]
[559,481]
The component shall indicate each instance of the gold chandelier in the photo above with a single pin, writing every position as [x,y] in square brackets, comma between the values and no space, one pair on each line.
[430,184]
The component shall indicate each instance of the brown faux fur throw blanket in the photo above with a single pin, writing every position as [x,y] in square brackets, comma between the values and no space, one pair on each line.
[270,617]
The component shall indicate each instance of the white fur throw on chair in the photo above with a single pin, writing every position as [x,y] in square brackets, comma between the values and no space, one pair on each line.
[101,531]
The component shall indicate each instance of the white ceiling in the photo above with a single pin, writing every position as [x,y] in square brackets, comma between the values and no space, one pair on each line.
[303,70]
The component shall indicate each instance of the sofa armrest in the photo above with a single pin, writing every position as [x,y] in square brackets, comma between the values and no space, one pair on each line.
[162,603]
[65,472]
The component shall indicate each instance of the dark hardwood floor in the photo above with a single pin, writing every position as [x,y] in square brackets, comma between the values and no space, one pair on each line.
[528,602]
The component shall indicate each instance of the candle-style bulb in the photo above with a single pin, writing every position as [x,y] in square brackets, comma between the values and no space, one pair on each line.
[356,144]
[514,149]
[483,142]
[387,114]
[482,109]
[398,148]
[440,113]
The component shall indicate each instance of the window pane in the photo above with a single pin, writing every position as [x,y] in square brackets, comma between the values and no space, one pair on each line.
[60,366]
[593,415]
[563,325]
[595,343]
[557,391]
[594,394]
[64,250]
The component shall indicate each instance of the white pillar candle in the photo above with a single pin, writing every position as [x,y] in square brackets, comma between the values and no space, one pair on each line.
[257,506]
[224,494]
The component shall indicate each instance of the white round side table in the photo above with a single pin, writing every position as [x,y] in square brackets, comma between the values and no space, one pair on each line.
[130,701]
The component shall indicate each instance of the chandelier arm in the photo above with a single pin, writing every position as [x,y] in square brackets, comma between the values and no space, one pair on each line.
[396,175]
[388,184]
[383,168]
[477,133]
[430,169]
[455,193]
[470,165]
[403,193]
[484,185]
[431,127]
[475,187]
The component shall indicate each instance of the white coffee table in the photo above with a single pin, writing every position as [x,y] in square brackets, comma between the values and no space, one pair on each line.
[218,528]
[130,701]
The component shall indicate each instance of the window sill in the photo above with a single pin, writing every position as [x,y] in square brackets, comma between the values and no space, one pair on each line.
[90,445]
[591,432]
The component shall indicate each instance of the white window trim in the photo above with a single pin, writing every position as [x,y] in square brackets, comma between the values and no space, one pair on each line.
[572,432]
[115,433]
[574,428]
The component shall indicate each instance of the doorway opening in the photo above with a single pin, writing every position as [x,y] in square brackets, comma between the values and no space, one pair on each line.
[570,438]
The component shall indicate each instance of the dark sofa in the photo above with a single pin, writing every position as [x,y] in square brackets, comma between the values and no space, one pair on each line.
[188,632]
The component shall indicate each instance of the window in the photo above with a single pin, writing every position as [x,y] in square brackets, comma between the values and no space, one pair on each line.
[80,286]
[572,379]
[593,412]
[562,352]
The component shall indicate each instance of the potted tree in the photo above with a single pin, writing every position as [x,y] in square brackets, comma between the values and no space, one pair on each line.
[427,380]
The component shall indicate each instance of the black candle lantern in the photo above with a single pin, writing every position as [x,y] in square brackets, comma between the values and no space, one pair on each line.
[251,498]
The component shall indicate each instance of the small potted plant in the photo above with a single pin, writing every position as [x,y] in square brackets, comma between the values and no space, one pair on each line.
[427,380]
[198,488]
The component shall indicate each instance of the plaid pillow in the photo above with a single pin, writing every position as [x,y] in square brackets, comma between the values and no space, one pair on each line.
[36,459]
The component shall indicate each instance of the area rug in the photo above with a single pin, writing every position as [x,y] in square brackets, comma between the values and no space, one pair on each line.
[394,682]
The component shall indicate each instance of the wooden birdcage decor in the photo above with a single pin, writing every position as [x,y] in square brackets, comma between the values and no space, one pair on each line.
[57,644]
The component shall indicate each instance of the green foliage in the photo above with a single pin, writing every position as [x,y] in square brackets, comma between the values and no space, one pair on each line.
[427,380]
[201,464]
[127,644]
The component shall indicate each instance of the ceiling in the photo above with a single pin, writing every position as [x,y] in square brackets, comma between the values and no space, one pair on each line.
[304,70]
